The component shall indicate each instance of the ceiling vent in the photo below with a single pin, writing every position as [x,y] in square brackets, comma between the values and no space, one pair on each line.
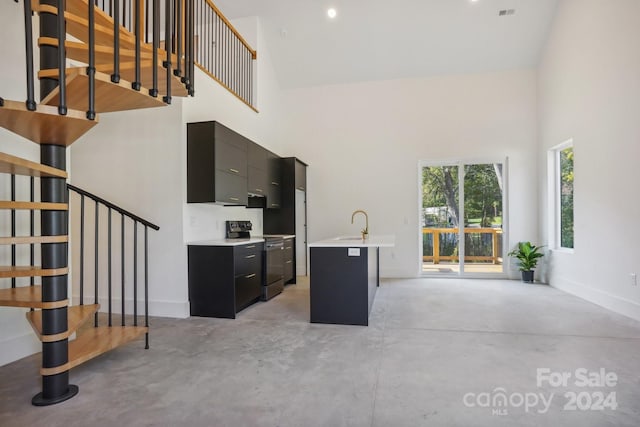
[506,12]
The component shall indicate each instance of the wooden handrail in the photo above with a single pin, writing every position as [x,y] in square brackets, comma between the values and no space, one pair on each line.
[436,231]
[254,54]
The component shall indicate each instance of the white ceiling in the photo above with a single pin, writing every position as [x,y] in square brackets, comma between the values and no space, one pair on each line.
[380,40]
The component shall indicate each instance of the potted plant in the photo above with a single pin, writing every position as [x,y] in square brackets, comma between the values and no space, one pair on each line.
[528,256]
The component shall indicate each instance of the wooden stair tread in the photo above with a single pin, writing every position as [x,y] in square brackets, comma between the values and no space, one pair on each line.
[18,166]
[9,204]
[79,51]
[45,125]
[94,342]
[30,271]
[76,316]
[78,24]
[109,96]
[127,72]
[26,240]
[27,296]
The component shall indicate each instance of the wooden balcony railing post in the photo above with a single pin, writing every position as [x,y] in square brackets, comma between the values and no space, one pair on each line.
[436,247]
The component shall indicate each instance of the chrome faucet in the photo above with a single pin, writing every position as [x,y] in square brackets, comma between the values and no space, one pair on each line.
[365,230]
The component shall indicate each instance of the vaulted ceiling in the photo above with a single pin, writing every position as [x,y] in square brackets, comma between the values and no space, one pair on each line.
[380,40]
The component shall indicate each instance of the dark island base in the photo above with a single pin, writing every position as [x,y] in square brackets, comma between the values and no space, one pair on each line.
[343,287]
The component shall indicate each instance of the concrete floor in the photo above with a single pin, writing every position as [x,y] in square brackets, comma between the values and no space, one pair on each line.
[432,345]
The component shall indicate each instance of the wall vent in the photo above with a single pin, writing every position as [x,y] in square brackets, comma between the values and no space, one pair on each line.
[506,12]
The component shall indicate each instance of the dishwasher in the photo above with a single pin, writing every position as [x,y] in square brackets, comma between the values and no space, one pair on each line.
[274,267]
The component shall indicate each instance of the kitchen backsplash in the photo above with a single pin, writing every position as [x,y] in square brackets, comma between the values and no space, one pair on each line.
[204,221]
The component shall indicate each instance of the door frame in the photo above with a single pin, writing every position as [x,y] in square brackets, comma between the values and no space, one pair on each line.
[461,162]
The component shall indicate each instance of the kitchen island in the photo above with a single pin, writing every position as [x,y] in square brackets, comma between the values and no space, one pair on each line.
[344,276]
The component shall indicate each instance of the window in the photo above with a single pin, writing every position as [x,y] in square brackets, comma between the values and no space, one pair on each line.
[561,160]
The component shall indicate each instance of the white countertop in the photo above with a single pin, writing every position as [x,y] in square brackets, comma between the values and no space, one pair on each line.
[374,241]
[226,242]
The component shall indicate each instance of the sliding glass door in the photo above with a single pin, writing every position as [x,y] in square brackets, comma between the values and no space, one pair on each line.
[462,218]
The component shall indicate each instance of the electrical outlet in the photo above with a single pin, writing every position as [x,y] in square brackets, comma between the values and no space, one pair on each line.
[634,279]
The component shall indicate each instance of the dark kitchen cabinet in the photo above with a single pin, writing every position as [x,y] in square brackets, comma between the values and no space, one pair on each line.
[291,218]
[258,175]
[274,174]
[216,164]
[223,280]
[289,258]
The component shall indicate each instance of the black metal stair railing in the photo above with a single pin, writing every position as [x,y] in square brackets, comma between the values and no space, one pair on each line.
[137,225]
[221,51]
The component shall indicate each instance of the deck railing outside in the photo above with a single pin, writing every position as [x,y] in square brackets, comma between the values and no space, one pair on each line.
[489,247]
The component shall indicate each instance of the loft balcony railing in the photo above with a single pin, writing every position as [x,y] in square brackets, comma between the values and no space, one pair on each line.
[481,245]
[222,53]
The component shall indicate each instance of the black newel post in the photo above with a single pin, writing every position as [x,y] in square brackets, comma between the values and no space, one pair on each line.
[55,388]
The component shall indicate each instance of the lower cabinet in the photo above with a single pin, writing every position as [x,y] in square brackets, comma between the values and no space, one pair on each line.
[289,264]
[223,280]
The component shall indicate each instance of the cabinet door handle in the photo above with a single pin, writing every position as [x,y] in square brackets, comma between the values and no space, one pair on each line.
[301,188]
[289,262]
[288,247]
[250,247]
[235,199]
[275,205]
[250,256]
[250,276]
[259,190]
[275,183]
[234,170]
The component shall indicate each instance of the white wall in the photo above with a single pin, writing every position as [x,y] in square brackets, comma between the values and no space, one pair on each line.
[589,90]
[363,143]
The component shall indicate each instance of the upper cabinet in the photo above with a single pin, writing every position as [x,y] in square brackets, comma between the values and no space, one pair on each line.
[300,175]
[258,179]
[274,174]
[225,167]
[216,164]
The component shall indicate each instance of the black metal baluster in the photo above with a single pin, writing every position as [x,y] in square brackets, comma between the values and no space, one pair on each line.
[81,249]
[192,70]
[177,71]
[109,263]
[96,252]
[28,38]
[122,269]
[13,227]
[124,14]
[146,285]
[135,273]
[146,21]
[62,60]
[156,45]
[91,69]
[115,77]
[167,63]
[136,85]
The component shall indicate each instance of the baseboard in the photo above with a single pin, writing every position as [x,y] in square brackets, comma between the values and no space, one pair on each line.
[16,348]
[604,299]
[174,309]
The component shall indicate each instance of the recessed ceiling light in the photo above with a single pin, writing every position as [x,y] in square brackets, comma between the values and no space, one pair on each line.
[332,13]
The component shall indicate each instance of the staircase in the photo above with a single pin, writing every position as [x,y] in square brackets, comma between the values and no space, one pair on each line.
[117,68]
